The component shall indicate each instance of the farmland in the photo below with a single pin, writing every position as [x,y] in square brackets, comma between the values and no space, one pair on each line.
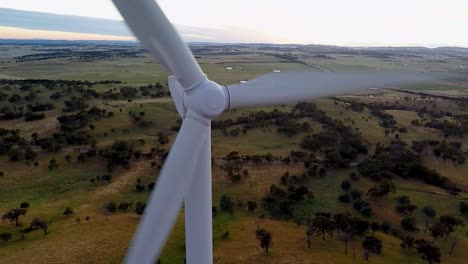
[57,163]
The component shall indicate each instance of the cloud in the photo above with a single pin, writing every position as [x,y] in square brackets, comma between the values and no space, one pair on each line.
[21,33]
[41,25]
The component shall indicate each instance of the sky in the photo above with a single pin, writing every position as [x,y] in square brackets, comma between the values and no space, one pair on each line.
[332,22]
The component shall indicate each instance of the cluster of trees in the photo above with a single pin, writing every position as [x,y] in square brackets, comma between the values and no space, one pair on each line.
[140,186]
[284,120]
[11,112]
[386,120]
[233,165]
[72,129]
[354,196]
[119,154]
[39,107]
[14,215]
[15,112]
[291,127]
[156,90]
[451,151]
[404,205]
[445,226]
[152,90]
[448,128]
[75,104]
[138,119]
[383,188]
[280,202]
[101,178]
[347,228]
[397,159]
[53,84]
[112,207]
[10,138]
[340,144]
[226,204]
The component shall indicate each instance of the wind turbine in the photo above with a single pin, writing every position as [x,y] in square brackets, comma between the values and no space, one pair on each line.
[186,174]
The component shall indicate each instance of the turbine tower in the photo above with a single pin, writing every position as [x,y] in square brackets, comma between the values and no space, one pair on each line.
[186,174]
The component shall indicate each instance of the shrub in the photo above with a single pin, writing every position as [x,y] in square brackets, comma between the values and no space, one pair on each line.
[68,211]
[409,224]
[372,244]
[6,236]
[344,198]
[385,227]
[345,185]
[110,207]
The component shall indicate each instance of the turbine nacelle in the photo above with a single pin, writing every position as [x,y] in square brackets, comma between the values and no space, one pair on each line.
[208,99]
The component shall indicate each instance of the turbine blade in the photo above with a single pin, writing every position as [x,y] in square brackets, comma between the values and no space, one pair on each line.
[149,24]
[164,204]
[290,87]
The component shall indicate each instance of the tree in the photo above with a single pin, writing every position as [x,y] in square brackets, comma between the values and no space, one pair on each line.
[407,242]
[233,166]
[6,236]
[110,207]
[344,198]
[226,204]
[345,236]
[374,226]
[359,226]
[24,205]
[429,211]
[345,185]
[385,227]
[454,243]
[451,222]
[14,214]
[429,214]
[323,225]
[140,187]
[264,237]
[68,211]
[343,224]
[123,206]
[372,244]
[15,98]
[463,207]
[354,176]
[251,206]
[29,154]
[381,189]
[53,164]
[39,223]
[163,138]
[140,208]
[428,251]
[438,230]
[409,223]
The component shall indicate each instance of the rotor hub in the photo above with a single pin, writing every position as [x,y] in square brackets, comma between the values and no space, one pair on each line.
[207,99]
